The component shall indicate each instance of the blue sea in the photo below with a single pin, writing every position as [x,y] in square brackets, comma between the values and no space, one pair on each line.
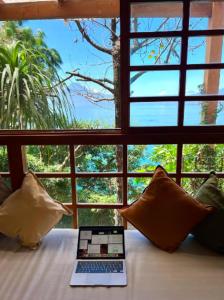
[142,114]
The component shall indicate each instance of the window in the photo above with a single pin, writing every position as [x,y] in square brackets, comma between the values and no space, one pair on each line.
[170,113]
[53,86]
[172,57]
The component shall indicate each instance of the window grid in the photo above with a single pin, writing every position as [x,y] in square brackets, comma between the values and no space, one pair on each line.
[178,175]
[185,33]
[125,136]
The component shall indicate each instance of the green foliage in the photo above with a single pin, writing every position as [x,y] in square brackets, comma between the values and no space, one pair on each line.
[12,31]
[135,154]
[196,158]
[96,158]
[97,190]
[136,186]
[166,156]
[58,188]
[48,158]
[144,158]
[102,158]
[31,96]
[3,159]
[88,125]
[96,217]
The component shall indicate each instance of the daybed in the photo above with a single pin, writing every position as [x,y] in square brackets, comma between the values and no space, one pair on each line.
[190,273]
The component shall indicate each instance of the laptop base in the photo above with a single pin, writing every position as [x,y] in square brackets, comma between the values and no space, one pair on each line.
[96,279]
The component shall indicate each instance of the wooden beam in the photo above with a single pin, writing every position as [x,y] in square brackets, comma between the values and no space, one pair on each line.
[200,10]
[214,49]
[49,9]
[25,1]
[213,54]
[17,161]
[169,10]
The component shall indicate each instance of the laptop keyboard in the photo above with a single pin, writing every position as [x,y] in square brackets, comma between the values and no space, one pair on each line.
[99,267]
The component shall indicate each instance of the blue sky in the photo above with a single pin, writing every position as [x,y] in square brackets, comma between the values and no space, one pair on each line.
[76,53]
[65,38]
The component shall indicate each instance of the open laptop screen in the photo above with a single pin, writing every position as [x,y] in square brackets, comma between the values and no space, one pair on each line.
[101,242]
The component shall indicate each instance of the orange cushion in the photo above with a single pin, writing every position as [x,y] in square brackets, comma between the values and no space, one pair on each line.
[165,213]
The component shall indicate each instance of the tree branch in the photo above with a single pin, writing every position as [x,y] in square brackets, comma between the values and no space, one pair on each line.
[97,81]
[169,44]
[65,79]
[105,26]
[106,80]
[90,41]
[170,50]
[136,76]
[144,42]
[139,74]
[93,99]
[67,158]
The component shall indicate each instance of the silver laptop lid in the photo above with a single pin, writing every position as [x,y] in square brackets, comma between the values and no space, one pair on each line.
[101,242]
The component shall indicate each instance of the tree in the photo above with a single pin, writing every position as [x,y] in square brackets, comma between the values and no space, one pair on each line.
[12,31]
[155,51]
[31,95]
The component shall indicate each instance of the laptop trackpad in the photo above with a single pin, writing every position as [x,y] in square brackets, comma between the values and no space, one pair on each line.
[84,279]
[98,279]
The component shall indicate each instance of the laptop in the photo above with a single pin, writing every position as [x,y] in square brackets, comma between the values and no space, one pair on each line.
[100,257]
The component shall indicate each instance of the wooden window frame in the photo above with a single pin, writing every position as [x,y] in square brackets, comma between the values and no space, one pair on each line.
[126,135]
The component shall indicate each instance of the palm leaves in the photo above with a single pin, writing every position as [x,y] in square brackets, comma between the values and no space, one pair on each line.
[29,99]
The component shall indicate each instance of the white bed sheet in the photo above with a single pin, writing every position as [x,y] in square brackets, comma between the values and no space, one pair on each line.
[191,273]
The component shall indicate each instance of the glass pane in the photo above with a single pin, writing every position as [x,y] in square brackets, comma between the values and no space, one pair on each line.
[58,188]
[75,86]
[94,95]
[203,158]
[136,186]
[153,114]
[99,190]
[155,51]
[65,222]
[48,158]
[98,217]
[191,185]
[145,158]
[4,159]
[154,83]
[105,158]
[205,82]
[203,113]
[206,15]
[156,16]
[197,49]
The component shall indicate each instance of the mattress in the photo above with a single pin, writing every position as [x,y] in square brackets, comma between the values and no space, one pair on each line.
[192,272]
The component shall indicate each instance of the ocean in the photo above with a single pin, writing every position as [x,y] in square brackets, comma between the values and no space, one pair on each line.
[142,114]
